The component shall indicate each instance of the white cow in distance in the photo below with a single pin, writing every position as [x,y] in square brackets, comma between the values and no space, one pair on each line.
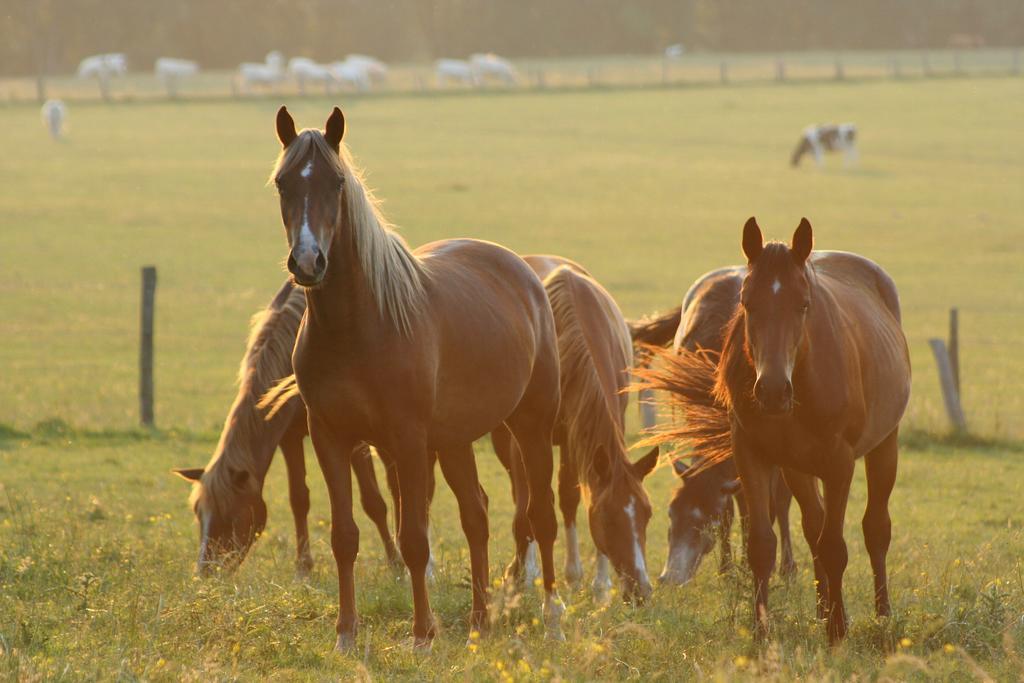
[351,74]
[103,66]
[455,70]
[489,65]
[375,69]
[170,71]
[267,73]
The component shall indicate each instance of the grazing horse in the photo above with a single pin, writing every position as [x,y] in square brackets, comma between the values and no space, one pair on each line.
[703,500]
[227,495]
[814,374]
[827,138]
[414,352]
[595,358]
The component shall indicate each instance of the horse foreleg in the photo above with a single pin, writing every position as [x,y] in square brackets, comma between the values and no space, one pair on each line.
[459,469]
[298,492]
[569,501]
[804,488]
[756,477]
[781,500]
[507,451]
[880,465]
[725,564]
[373,502]
[334,453]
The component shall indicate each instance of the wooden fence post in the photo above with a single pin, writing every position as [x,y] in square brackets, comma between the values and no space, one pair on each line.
[146,346]
[1015,64]
[947,359]
[896,68]
[780,70]
[723,72]
[926,66]
[840,74]
[953,347]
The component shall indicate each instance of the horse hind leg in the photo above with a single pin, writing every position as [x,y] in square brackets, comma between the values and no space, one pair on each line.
[532,425]
[880,465]
[459,469]
[373,502]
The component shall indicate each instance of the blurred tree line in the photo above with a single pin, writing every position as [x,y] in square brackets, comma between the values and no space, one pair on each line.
[51,36]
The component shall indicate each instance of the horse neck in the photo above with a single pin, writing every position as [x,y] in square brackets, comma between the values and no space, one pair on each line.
[246,432]
[344,297]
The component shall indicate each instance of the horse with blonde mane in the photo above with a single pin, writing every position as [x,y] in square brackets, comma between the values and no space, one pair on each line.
[227,495]
[595,359]
[814,374]
[414,352]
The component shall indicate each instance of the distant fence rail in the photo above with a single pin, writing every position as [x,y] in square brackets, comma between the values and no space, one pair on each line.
[598,72]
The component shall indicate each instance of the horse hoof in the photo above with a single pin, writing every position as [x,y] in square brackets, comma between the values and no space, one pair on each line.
[555,635]
[573,575]
[422,646]
[346,643]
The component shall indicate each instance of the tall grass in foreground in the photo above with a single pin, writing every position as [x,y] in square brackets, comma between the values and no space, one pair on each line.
[97,547]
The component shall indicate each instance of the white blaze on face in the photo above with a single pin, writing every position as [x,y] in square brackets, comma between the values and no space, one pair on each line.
[306,243]
[307,170]
[204,538]
[638,553]
[776,287]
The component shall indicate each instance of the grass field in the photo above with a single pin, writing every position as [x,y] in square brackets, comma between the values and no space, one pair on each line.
[648,188]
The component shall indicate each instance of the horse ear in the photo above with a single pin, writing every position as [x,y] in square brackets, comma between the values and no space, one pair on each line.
[680,467]
[753,240]
[191,474]
[731,487]
[334,130]
[645,465]
[803,241]
[285,127]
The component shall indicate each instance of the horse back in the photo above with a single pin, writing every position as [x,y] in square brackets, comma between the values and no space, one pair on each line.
[708,306]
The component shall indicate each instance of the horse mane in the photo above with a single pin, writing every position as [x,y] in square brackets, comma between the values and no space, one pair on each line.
[591,417]
[688,379]
[656,329]
[268,357]
[393,273]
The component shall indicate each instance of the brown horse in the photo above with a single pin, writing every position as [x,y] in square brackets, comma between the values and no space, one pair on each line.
[814,374]
[702,503]
[227,496]
[415,353]
[595,357]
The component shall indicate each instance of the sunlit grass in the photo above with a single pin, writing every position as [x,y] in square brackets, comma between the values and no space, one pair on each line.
[97,546]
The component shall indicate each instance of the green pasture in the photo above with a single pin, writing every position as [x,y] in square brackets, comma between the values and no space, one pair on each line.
[648,189]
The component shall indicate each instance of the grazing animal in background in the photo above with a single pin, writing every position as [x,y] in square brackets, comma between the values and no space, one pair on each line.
[415,352]
[814,374]
[170,71]
[103,66]
[375,70]
[675,51]
[268,73]
[305,70]
[351,74]
[830,137]
[702,503]
[227,495]
[54,114]
[490,66]
[595,357]
[455,71]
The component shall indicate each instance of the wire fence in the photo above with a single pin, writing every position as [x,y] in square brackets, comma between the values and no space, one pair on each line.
[700,69]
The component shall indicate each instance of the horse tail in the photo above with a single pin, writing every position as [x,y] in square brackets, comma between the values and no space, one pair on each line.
[656,330]
[688,380]
[278,396]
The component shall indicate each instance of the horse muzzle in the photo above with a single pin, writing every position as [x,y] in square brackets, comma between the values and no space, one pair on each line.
[307,267]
